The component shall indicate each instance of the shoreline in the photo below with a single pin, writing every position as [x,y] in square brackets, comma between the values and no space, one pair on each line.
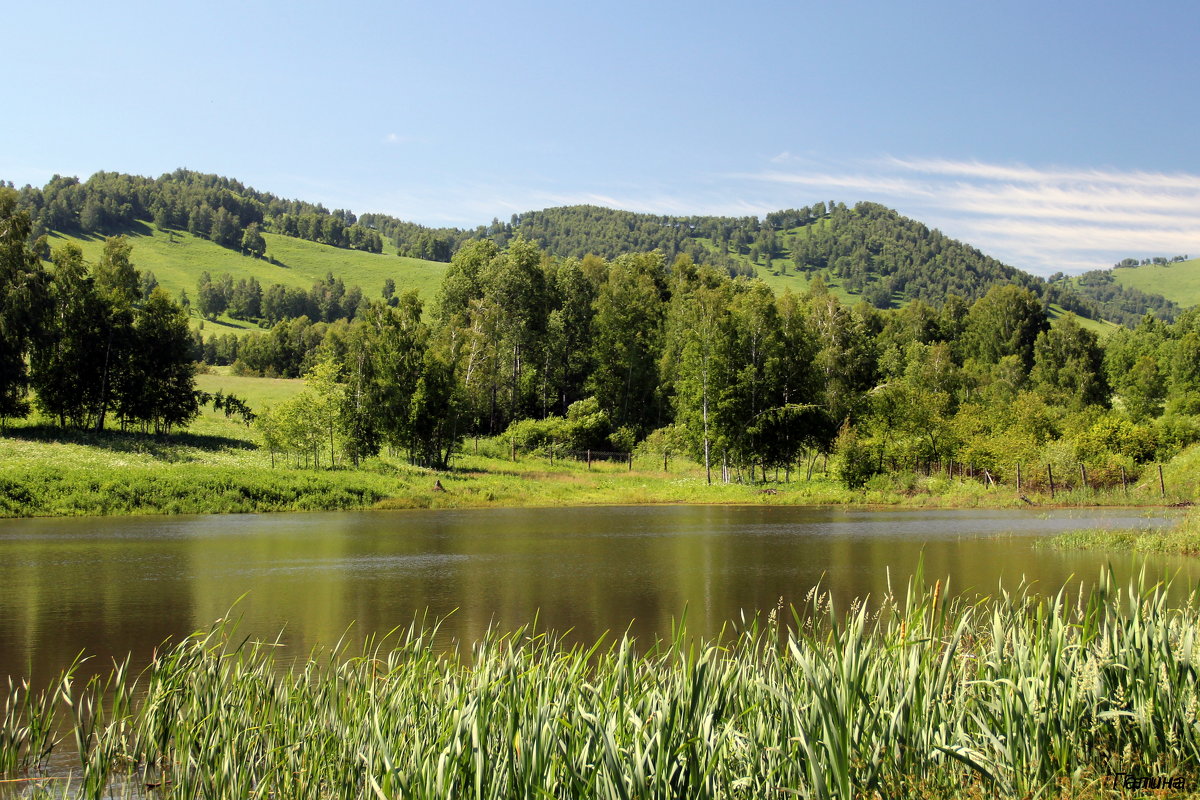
[220,468]
[55,490]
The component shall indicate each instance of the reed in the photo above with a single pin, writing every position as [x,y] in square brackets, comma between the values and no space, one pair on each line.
[1016,695]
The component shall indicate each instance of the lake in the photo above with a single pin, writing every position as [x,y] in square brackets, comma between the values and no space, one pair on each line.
[112,586]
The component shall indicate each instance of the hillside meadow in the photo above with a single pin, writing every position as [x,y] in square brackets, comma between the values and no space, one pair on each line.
[177,258]
[1179,282]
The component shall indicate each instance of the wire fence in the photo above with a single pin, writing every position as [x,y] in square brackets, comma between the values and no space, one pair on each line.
[1045,478]
[1036,478]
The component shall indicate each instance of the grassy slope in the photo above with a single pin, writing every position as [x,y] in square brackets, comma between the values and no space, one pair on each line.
[258,392]
[1102,328]
[178,258]
[1179,282]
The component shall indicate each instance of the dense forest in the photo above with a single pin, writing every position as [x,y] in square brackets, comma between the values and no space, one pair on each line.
[621,353]
[873,252]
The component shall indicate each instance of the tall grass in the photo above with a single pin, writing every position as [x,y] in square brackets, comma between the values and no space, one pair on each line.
[182,489]
[1016,696]
[1183,539]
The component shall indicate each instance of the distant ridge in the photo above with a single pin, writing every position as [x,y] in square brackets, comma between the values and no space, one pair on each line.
[865,252]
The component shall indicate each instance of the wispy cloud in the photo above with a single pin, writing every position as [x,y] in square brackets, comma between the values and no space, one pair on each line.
[1043,219]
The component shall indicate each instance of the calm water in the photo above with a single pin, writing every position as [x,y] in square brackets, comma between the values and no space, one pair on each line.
[111,586]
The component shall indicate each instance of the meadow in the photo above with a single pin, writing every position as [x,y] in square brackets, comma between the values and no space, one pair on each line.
[219,466]
[920,695]
[1179,281]
[177,258]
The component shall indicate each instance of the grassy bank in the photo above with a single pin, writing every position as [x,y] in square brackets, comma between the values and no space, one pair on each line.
[219,468]
[48,473]
[1012,697]
[1182,539]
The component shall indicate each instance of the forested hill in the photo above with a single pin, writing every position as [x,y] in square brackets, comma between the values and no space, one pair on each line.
[868,249]
[865,251]
[222,210]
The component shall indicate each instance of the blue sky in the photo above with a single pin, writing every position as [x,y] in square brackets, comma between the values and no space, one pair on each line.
[1054,135]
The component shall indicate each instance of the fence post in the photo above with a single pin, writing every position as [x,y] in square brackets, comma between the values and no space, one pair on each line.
[1018,477]
[589,459]
[1083,475]
[631,461]
[1050,475]
[1162,487]
[552,452]
[1124,481]
[664,460]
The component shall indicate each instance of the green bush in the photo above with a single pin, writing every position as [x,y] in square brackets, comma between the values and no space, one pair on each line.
[854,463]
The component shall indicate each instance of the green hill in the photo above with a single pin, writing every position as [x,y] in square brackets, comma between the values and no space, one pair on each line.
[863,252]
[178,258]
[1179,282]
[184,223]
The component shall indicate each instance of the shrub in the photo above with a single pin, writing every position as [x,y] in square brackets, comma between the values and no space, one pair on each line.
[854,462]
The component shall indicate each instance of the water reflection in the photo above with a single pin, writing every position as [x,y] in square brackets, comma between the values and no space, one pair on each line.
[113,586]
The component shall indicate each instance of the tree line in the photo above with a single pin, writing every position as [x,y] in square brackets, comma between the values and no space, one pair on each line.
[220,209]
[636,352]
[86,340]
[245,299]
[1160,261]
